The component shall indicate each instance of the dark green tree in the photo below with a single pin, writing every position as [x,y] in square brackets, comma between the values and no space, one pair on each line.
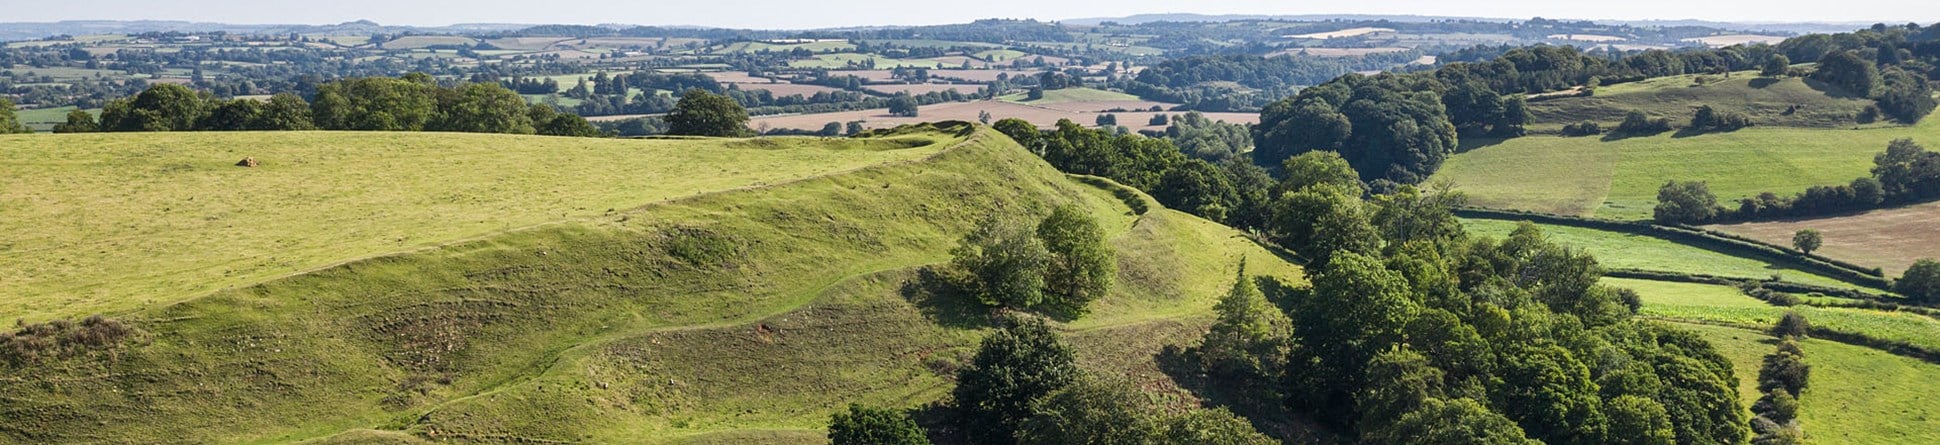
[1003,264]
[874,426]
[1090,411]
[1212,426]
[10,123]
[284,112]
[1080,266]
[1450,422]
[1807,240]
[700,113]
[1013,368]
[1685,203]
[483,108]
[78,121]
[904,105]
[1356,310]
[1776,66]
[162,107]
[1248,339]
[1921,282]
[1318,167]
[1637,420]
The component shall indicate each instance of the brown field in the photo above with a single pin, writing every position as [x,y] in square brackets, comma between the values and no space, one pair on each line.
[1338,52]
[1890,239]
[1586,37]
[1350,32]
[978,75]
[738,77]
[1736,39]
[868,75]
[526,43]
[956,61]
[968,111]
[786,89]
[923,88]
[1106,105]
[569,54]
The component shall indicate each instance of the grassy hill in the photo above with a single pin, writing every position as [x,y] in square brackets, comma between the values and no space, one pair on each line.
[1619,178]
[1791,101]
[1070,95]
[108,223]
[730,308]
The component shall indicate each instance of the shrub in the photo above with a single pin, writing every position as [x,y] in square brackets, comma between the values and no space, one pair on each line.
[1921,282]
[1081,265]
[1584,128]
[1710,119]
[1784,370]
[874,426]
[1779,406]
[1013,368]
[1685,203]
[1636,123]
[61,339]
[1792,325]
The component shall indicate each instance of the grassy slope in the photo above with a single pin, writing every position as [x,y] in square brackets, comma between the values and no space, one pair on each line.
[1627,251]
[1619,178]
[1676,97]
[729,317]
[113,222]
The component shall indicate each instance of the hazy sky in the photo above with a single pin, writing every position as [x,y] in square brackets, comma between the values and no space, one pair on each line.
[833,13]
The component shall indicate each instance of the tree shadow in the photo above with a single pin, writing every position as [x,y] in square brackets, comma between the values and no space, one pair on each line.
[1763,82]
[938,420]
[941,301]
[1257,402]
[1614,136]
[1279,293]
[1466,145]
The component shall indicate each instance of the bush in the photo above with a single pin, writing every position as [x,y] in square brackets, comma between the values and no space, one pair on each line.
[61,339]
[1792,325]
[874,426]
[1710,119]
[1636,123]
[1785,370]
[1584,128]
[1013,368]
[1685,203]
[1920,283]
[1058,266]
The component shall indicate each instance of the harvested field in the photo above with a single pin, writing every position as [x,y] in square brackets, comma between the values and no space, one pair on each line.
[1106,105]
[1349,32]
[738,77]
[1586,38]
[1337,52]
[786,89]
[418,42]
[1890,239]
[923,88]
[978,75]
[869,75]
[526,43]
[968,111]
[1736,39]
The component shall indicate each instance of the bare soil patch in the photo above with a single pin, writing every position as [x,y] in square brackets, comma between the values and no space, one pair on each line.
[1890,239]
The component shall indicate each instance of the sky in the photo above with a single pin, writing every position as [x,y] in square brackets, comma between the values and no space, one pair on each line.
[802,14]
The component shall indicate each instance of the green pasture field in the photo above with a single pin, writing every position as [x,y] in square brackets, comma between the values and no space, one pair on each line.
[1627,251]
[1070,95]
[1769,101]
[1856,395]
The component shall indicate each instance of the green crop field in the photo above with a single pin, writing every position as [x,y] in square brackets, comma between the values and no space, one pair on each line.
[1766,100]
[1619,179]
[145,219]
[44,119]
[1071,95]
[1627,251]
[843,60]
[1856,395]
[735,292]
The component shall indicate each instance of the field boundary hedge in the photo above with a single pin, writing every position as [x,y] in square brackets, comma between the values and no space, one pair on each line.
[1699,238]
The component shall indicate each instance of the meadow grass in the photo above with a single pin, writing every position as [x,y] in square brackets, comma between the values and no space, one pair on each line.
[106,223]
[1855,396]
[1629,251]
[1619,178]
[741,315]
[1765,99]
[1706,303]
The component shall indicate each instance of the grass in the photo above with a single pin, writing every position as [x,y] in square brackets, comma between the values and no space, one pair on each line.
[1856,396]
[745,315]
[846,60]
[1619,179]
[44,119]
[1070,95]
[114,222]
[754,47]
[1765,99]
[1891,239]
[1627,251]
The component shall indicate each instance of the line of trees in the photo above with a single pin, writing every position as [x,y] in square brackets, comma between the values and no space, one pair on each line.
[1057,266]
[411,103]
[1782,377]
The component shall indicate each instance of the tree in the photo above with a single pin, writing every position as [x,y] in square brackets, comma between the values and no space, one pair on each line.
[10,123]
[1685,203]
[1081,265]
[1318,167]
[1356,310]
[1776,66]
[1090,411]
[904,105]
[1248,339]
[162,107]
[409,103]
[700,113]
[852,128]
[1921,282]
[1636,123]
[1318,221]
[1807,240]
[483,108]
[831,129]
[1212,426]
[233,115]
[284,112]
[1843,68]
[1159,120]
[1003,263]
[1549,392]
[1450,422]
[1777,405]
[874,426]
[1013,367]
[1197,187]
[78,121]
[1785,370]
[1637,420]
[1107,119]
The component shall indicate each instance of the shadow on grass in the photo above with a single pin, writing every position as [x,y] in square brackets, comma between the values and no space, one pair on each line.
[1468,144]
[944,303]
[938,420]
[1763,82]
